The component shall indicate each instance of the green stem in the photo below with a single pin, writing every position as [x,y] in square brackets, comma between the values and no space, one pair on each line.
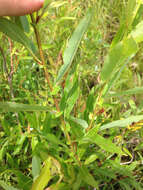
[51,87]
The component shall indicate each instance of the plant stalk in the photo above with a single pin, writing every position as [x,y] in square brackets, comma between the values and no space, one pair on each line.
[50,85]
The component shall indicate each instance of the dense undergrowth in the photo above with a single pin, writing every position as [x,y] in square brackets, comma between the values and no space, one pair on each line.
[71,97]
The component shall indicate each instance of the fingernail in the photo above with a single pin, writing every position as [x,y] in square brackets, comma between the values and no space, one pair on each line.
[41,1]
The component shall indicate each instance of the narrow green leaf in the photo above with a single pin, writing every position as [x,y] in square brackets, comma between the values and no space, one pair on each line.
[15,33]
[72,98]
[113,58]
[103,143]
[52,139]
[122,123]
[87,177]
[24,181]
[112,81]
[60,186]
[117,56]
[44,176]
[3,150]
[119,35]
[90,101]
[105,172]
[15,107]
[5,186]
[19,144]
[73,44]
[36,166]
[130,12]
[77,183]
[76,130]
[90,159]
[125,185]
[80,122]
[137,90]
[137,33]
[25,23]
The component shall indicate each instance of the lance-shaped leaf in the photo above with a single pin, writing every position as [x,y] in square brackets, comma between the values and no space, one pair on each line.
[25,23]
[122,123]
[117,56]
[73,44]
[15,33]
[15,107]
[136,90]
[44,177]
[137,33]
[87,177]
[103,143]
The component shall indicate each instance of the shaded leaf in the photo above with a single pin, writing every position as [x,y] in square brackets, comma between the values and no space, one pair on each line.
[72,98]
[5,186]
[80,122]
[25,23]
[24,182]
[87,177]
[15,33]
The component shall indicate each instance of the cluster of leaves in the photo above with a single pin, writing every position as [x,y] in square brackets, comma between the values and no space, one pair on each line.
[57,130]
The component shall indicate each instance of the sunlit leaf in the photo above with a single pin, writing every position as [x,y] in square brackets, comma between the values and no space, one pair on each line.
[44,177]
[105,144]
[137,33]
[73,44]
[15,107]
[117,56]
[136,90]
[36,166]
[122,123]
[19,144]
[90,159]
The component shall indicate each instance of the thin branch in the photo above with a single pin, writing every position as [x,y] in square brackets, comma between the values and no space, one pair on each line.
[10,77]
[4,61]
